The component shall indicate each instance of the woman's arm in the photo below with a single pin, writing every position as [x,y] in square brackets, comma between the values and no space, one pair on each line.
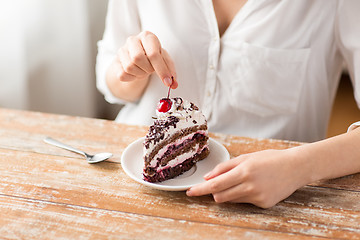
[126,56]
[334,157]
[264,178]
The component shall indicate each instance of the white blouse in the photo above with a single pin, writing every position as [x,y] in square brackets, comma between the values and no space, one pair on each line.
[353,126]
[273,73]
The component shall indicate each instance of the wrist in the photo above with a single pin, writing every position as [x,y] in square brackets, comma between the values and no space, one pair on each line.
[329,158]
[304,166]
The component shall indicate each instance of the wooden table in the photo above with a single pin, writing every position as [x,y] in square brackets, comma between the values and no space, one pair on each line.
[50,193]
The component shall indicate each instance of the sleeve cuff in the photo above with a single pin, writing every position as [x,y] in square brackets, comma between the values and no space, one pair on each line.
[353,126]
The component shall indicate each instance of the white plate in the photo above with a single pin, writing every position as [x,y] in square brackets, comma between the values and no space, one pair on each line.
[132,162]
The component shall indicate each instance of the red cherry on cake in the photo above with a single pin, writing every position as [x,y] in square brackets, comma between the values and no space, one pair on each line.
[164,105]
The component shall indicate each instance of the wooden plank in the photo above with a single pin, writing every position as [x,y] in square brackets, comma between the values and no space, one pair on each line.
[23,130]
[33,219]
[312,211]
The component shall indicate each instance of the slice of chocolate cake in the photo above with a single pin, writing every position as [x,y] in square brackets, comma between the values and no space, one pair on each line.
[177,140]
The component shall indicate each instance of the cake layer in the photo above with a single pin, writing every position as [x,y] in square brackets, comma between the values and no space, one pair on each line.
[151,152]
[193,144]
[176,154]
[184,154]
[175,147]
[171,172]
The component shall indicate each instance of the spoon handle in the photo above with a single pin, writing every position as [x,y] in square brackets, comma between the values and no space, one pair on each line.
[56,143]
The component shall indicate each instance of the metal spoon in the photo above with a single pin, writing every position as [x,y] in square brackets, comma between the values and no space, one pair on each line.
[99,157]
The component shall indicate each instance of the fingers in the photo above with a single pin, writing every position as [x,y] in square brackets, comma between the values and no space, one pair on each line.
[137,54]
[217,184]
[128,65]
[143,55]
[155,54]
[263,178]
[122,75]
[222,168]
[258,200]
[171,66]
[238,193]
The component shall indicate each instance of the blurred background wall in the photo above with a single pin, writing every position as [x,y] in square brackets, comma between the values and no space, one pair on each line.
[47,56]
[47,61]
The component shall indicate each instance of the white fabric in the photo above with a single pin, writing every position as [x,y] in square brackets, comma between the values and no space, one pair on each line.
[273,74]
[353,126]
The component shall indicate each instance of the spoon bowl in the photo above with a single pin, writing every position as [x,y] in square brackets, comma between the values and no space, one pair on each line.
[99,157]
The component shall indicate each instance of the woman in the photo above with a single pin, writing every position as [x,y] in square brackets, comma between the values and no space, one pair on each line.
[264,69]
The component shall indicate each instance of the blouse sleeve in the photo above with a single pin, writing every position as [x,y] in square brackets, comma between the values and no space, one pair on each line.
[353,126]
[348,40]
[122,21]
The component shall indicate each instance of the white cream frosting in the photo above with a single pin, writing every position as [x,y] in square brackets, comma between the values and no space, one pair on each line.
[183,110]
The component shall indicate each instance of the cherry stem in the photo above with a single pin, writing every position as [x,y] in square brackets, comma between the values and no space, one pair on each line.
[172,78]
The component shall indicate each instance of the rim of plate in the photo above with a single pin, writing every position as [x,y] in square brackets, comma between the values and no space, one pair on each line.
[163,185]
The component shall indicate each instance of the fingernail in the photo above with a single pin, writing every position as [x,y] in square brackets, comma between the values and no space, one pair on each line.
[188,192]
[168,81]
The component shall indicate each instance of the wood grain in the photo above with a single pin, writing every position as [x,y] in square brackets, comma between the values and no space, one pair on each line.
[56,193]
[75,222]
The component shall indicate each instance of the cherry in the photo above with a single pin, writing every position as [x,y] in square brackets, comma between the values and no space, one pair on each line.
[164,105]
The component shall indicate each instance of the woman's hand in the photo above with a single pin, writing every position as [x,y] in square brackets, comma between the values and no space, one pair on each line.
[141,56]
[262,178]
